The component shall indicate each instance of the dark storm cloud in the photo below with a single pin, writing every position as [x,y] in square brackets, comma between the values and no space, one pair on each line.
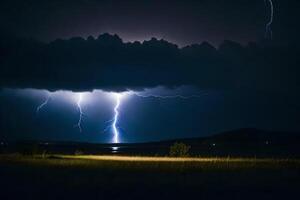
[110,64]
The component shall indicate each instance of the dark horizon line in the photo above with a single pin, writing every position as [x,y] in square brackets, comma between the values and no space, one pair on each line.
[93,38]
[238,131]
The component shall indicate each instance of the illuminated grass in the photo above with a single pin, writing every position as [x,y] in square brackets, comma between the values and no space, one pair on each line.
[77,176]
[170,159]
[150,163]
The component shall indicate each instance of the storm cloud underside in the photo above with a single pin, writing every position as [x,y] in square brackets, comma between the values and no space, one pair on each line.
[110,64]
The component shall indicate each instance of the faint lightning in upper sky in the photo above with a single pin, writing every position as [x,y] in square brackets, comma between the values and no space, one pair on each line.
[269,31]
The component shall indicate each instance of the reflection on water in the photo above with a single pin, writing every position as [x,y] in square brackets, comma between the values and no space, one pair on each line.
[114,149]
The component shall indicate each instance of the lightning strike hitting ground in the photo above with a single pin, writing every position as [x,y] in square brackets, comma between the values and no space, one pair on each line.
[43,104]
[115,120]
[117,96]
[80,111]
[269,31]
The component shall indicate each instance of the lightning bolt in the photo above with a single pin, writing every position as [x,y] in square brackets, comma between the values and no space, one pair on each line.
[118,97]
[115,120]
[78,103]
[269,31]
[43,104]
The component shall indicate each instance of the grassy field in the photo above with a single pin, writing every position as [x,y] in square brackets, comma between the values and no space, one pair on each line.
[129,177]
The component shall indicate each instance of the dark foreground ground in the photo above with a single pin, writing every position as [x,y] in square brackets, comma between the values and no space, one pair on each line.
[94,177]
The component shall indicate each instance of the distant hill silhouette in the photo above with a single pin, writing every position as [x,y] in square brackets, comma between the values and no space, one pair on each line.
[255,135]
[242,142]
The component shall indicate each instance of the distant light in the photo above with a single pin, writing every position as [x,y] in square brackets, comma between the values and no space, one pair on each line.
[214,144]
[115,148]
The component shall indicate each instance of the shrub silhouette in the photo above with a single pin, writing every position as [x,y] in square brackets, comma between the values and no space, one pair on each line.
[179,150]
[78,153]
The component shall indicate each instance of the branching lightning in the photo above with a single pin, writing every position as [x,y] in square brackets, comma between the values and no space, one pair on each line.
[79,97]
[43,104]
[169,96]
[269,31]
[80,111]
[179,96]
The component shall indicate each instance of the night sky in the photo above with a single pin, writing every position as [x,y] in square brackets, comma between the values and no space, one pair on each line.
[181,22]
[205,67]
